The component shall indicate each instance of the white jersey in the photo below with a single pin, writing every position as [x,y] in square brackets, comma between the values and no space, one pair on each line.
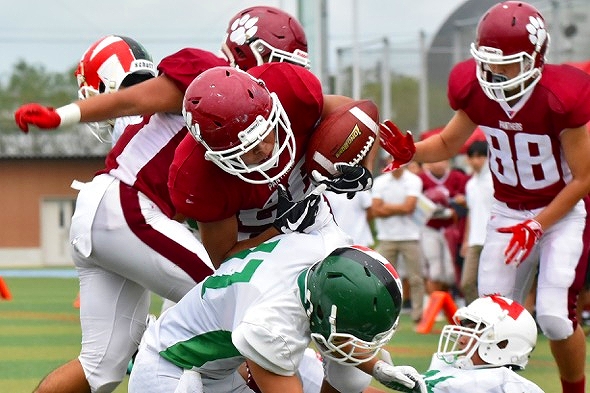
[479,195]
[250,308]
[351,215]
[444,378]
[397,227]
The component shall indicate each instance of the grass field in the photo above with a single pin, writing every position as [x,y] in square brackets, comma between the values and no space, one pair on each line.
[39,330]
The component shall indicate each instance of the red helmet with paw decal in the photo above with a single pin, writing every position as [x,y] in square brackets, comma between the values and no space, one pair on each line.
[262,34]
[511,32]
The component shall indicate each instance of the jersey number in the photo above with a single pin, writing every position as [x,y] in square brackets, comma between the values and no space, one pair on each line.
[532,163]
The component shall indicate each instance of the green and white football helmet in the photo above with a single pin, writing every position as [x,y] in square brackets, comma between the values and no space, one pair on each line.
[353,300]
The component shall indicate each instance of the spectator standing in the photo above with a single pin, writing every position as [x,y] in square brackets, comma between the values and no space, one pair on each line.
[446,188]
[395,196]
[479,195]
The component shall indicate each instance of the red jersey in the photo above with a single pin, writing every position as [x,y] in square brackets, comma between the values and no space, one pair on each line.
[525,154]
[201,190]
[142,155]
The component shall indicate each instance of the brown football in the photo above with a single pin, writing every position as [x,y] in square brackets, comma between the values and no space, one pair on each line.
[345,135]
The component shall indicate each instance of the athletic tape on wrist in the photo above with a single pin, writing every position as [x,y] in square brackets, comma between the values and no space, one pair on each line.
[69,115]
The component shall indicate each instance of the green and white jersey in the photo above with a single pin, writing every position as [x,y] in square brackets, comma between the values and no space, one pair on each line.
[444,378]
[250,308]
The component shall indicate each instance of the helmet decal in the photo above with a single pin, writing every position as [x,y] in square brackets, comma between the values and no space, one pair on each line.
[513,309]
[263,34]
[537,32]
[243,29]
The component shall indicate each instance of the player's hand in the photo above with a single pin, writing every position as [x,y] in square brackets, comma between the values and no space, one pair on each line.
[400,378]
[38,115]
[296,216]
[352,179]
[189,382]
[400,146]
[524,236]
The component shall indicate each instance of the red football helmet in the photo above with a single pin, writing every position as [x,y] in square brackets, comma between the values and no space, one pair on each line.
[110,63]
[262,34]
[511,32]
[230,112]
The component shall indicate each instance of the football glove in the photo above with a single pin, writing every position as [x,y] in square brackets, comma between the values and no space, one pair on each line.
[46,117]
[524,237]
[296,216]
[401,147]
[352,178]
[37,115]
[400,378]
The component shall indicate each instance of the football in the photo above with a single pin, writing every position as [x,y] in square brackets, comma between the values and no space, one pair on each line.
[345,135]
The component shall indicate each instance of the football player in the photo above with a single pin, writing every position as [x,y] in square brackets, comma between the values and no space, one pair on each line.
[124,236]
[491,339]
[534,117]
[265,308]
[245,156]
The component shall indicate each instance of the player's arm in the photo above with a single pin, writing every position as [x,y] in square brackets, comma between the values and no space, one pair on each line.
[380,208]
[576,145]
[448,142]
[269,382]
[220,239]
[158,94]
[155,95]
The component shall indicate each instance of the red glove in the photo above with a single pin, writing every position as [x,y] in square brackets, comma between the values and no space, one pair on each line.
[524,236]
[38,115]
[400,146]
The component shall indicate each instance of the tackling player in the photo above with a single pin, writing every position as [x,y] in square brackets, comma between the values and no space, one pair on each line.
[534,117]
[265,308]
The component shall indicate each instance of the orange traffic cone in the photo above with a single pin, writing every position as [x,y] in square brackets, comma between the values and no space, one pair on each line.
[76,303]
[4,291]
[439,300]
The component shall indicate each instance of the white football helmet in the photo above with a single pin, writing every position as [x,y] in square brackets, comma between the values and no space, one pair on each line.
[511,32]
[499,329]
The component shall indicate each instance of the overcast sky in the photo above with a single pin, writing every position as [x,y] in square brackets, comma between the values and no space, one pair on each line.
[55,33]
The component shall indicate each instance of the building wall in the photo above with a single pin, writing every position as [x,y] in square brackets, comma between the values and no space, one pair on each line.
[25,184]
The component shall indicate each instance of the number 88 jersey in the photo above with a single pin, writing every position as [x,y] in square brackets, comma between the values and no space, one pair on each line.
[525,153]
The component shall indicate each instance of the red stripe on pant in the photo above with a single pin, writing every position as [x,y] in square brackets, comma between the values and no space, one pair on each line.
[187,260]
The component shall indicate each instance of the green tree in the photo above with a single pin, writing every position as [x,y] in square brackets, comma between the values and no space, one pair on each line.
[33,83]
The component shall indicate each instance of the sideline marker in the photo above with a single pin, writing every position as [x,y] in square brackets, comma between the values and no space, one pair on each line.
[439,300]
[76,303]
[4,291]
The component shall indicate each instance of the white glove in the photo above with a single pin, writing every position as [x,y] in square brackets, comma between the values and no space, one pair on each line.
[190,382]
[400,378]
